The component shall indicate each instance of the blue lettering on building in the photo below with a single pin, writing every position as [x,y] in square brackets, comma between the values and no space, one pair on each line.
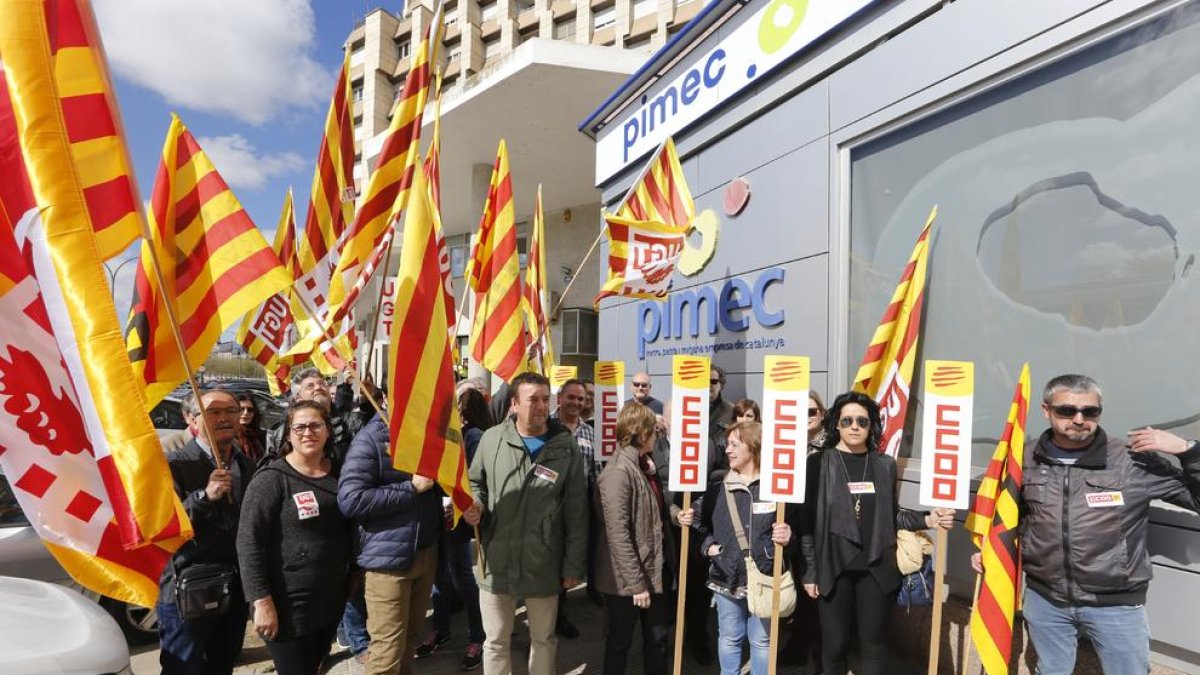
[655,112]
[690,311]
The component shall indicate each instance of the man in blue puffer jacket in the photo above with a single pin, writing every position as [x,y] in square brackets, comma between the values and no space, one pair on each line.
[397,517]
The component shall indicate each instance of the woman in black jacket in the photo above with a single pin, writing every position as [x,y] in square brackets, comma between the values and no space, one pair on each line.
[849,538]
[294,545]
[721,545]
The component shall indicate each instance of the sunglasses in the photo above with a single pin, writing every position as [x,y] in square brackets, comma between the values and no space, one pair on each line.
[714,382]
[862,422]
[1068,412]
[814,412]
[310,428]
[639,385]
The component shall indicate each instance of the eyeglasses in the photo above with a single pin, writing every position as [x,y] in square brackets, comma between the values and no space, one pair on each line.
[310,428]
[814,412]
[640,385]
[1068,412]
[861,422]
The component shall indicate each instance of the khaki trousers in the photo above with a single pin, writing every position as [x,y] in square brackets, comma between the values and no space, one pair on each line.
[396,606]
[498,613]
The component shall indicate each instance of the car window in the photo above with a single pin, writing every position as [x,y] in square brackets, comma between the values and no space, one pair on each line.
[168,415]
[10,511]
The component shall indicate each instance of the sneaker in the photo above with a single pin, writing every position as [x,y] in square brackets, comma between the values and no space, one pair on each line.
[565,629]
[474,656]
[431,644]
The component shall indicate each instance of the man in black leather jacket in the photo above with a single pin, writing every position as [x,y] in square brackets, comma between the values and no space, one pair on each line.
[1084,519]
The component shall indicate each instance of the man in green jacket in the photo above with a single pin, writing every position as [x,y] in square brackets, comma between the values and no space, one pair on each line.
[530,489]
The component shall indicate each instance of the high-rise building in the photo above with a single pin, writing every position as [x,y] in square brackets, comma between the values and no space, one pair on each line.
[528,72]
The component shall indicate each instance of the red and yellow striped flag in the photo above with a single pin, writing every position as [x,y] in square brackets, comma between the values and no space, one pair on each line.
[993,525]
[885,373]
[92,118]
[433,172]
[76,443]
[646,234]
[534,298]
[498,339]
[266,332]
[330,210]
[426,433]
[387,191]
[215,264]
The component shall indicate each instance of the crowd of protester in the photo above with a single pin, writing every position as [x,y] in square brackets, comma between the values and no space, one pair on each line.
[318,538]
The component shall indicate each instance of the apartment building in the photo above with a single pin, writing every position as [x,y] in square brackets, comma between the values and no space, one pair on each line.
[526,71]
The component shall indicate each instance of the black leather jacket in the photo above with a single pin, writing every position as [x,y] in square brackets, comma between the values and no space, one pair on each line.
[1083,525]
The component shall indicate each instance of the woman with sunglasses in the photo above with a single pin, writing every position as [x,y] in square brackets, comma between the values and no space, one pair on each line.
[849,534]
[251,436]
[294,545]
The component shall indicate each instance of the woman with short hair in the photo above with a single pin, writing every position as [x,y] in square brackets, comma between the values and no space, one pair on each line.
[631,571]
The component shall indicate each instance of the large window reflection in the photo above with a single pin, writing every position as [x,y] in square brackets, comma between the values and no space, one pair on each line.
[1069,217]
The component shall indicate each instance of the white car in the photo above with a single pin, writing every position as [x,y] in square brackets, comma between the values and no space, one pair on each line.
[46,628]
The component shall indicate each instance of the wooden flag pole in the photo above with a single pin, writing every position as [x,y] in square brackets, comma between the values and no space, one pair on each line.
[681,592]
[562,298]
[776,576]
[974,605]
[939,578]
[362,391]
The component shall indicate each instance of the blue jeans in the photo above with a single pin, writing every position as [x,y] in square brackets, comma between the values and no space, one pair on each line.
[454,569]
[200,646]
[734,624]
[354,623]
[1120,634]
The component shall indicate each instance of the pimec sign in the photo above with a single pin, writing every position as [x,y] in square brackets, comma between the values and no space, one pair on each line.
[785,428]
[689,424]
[946,434]
[610,393]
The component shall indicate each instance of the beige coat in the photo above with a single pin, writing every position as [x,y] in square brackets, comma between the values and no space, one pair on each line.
[629,546]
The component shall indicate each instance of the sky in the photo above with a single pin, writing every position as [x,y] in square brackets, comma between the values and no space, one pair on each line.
[251,79]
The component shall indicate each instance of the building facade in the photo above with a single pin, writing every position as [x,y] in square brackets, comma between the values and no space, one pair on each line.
[1054,138]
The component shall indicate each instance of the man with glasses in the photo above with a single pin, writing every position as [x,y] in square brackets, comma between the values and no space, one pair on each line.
[641,393]
[210,479]
[309,384]
[1085,510]
[720,411]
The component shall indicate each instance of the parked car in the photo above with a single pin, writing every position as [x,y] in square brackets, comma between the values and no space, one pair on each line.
[46,628]
[168,414]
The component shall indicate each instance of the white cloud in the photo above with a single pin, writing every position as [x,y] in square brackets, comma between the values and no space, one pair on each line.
[245,58]
[238,162]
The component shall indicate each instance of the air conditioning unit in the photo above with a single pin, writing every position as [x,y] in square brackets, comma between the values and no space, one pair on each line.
[579,332]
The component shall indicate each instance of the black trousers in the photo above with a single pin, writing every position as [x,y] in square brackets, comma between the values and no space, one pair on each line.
[856,606]
[698,608]
[302,655]
[623,616]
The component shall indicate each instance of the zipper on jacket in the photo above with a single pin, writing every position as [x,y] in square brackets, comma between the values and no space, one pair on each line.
[1066,534]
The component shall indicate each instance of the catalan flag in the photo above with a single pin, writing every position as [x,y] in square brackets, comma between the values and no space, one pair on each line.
[330,210]
[79,451]
[426,433]
[215,266]
[498,339]
[266,333]
[993,525]
[646,234]
[534,299]
[886,369]
[88,106]
[433,172]
[387,191]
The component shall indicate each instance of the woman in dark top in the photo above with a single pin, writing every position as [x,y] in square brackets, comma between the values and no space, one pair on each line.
[252,438]
[849,538]
[294,545]
[454,552]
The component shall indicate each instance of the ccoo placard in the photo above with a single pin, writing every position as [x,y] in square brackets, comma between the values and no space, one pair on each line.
[946,434]
[785,428]
[610,393]
[689,424]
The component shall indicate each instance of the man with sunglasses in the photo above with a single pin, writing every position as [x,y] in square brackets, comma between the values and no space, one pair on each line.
[641,393]
[1085,511]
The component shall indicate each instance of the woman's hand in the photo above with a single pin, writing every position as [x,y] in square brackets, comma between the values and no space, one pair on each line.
[781,533]
[713,551]
[266,621]
[686,517]
[943,518]
[811,589]
[642,600]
